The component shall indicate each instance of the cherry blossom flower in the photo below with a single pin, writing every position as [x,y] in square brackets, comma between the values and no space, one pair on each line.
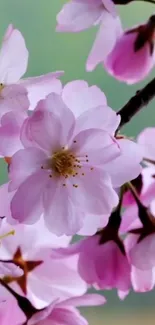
[76,16]
[65,170]
[42,280]
[133,55]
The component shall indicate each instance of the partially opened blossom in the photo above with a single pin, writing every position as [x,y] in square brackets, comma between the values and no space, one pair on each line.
[133,55]
[101,264]
[13,65]
[142,280]
[41,279]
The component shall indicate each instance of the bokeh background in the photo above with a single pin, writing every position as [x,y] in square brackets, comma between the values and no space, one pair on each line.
[50,51]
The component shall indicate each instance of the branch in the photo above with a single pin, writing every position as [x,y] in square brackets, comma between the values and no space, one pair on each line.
[136,103]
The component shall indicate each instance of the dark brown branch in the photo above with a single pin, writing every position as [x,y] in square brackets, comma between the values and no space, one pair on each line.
[136,103]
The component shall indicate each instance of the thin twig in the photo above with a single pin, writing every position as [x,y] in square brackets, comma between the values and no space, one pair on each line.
[136,103]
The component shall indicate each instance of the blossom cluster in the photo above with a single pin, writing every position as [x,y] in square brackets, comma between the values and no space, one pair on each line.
[71,172]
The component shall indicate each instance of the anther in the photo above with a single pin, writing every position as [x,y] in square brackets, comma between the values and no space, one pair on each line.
[86,156]
[87,160]
[42,167]
[64,185]
[50,176]
[91,168]
[74,141]
[82,174]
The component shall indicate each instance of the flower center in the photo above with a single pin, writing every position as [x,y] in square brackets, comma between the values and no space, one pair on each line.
[63,163]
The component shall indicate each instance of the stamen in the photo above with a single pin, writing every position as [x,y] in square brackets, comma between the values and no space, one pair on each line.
[10,233]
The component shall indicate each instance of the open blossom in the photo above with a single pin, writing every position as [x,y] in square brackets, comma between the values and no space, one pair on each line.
[133,55]
[42,279]
[71,166]
[78,15]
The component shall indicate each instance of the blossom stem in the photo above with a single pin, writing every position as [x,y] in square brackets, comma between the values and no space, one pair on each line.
[136,103]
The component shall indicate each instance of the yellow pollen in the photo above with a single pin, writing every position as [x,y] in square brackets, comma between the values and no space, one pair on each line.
[10,233]
[62,163]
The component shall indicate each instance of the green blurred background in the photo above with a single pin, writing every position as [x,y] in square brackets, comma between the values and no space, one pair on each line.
[50,51]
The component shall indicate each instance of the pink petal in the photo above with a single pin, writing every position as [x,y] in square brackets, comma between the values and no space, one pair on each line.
[94,193]
[67,317]
[6,198]
[62,216]
[142,280]
[92,223]
[13,98]
[79,97]
[23,164]
[85,300]
[49,118]
[13,56]
[10,133]
[142,254]
[39,87]
[110,30]
[145,139]
[97,144]
[26,205]
[125,168]
[101,117]
[76,16]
